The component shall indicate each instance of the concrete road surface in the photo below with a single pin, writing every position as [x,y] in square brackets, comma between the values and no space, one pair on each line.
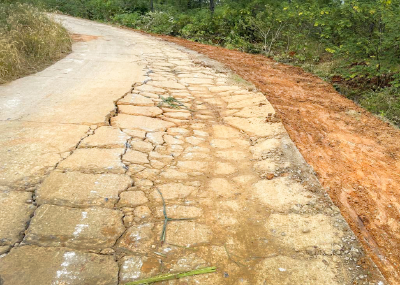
[133,157]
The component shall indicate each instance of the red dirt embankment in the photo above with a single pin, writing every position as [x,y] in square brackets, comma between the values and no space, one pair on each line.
[355,155]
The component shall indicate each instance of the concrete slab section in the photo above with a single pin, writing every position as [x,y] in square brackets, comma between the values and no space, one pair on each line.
[91,228]
[31,265]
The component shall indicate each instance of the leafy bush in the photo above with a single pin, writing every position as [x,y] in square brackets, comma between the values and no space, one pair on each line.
[385,102]
[359,36]
[29,40]
[128,20]
[157,22]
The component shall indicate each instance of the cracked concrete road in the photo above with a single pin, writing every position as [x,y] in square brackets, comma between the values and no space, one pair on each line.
[85,156]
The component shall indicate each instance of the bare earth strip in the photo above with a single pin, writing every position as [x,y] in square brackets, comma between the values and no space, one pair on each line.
[242,196]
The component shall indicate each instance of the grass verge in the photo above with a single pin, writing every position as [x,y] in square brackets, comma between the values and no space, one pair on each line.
[29,41]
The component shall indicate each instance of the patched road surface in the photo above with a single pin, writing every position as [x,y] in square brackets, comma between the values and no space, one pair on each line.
[92,146]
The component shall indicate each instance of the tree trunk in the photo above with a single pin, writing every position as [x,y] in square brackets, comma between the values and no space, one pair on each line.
[212,6]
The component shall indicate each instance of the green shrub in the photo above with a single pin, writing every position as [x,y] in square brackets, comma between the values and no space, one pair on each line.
[128,20]
[29,40]
[157,22]
[384,102]
[359,36]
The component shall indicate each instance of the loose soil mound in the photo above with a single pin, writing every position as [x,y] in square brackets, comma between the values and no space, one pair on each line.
[355,155]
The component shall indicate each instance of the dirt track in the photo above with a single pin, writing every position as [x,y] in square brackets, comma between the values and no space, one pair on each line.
[355,155]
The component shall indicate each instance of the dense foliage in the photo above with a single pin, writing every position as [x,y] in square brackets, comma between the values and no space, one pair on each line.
[28,40]
[356,43]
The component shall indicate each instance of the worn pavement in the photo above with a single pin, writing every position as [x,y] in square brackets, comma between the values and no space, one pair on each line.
[92,145]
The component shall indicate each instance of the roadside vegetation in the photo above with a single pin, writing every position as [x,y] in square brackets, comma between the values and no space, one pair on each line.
[29,40]
[354,44]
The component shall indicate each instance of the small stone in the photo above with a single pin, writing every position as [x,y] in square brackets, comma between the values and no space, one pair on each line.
[270,176]
[311,250]
[132,199]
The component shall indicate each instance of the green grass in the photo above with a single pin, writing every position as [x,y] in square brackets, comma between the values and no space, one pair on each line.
[29,41]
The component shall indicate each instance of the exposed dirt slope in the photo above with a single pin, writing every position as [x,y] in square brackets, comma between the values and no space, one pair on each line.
[355,155]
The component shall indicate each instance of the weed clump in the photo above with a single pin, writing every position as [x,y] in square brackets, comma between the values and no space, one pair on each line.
[29,40]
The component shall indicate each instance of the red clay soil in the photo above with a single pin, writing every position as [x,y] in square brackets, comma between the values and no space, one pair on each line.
[355,155]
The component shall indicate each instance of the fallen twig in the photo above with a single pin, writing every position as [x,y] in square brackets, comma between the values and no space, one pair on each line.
[170,276]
